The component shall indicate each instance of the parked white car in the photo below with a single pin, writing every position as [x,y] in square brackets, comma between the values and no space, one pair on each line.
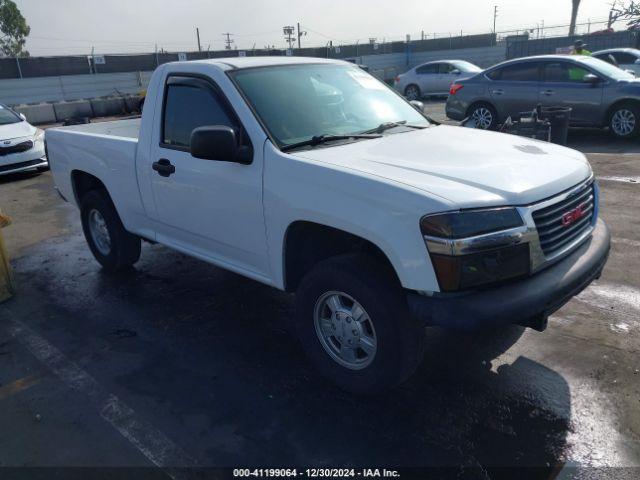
[433,78]
[624,58]
[312,176]
[21,144]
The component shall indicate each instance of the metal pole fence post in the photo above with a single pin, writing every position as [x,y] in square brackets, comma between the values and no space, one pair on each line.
[19,69]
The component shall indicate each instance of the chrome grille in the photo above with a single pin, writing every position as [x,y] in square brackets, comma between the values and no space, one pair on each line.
[555,224]
[17,148]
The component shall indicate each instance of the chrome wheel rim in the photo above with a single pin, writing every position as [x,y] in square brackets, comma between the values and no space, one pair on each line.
[99,232]
[623,122]
[412,93]
[483,117]
[345,330]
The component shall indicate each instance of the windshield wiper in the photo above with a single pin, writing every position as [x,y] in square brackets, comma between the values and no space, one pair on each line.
[389,125]
[318,139]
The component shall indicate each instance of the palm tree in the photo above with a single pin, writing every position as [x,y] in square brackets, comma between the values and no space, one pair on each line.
[575,4]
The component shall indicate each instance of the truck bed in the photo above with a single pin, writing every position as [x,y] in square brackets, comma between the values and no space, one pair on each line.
[129,128]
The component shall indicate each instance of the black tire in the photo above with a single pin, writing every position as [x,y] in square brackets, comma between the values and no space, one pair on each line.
[624,121]
[412,92]
[481,109]
[124,248]
[400,339]
[141,105]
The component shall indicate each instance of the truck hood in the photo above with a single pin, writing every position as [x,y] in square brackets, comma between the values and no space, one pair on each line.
[467,167]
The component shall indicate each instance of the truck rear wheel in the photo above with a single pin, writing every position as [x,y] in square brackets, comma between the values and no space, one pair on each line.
[353,322]
[112,246]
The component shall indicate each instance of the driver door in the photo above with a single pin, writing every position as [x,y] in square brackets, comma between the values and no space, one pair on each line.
[563,85]
[211,209]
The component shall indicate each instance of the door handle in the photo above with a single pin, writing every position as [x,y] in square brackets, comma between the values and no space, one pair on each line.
[163,167]
[547,92]
[497,92]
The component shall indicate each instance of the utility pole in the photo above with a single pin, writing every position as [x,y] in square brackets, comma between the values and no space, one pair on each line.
[288,34]
[300,34]
[228,41]
[495,15]
[198,35]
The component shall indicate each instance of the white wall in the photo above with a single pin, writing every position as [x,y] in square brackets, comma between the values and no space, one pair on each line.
[75,87]
[70,87]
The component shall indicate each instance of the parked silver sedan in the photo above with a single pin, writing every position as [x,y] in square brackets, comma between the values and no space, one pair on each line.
[624,58]
[433,78]
[600,94]
[21,144]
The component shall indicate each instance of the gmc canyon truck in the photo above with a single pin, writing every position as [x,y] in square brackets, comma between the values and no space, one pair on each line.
[312,176]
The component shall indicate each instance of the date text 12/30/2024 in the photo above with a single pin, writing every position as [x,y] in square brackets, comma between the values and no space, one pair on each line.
[315,473]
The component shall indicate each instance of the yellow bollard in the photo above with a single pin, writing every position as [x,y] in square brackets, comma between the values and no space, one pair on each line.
[6,289]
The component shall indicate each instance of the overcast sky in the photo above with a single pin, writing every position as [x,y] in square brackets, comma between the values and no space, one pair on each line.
[115,26]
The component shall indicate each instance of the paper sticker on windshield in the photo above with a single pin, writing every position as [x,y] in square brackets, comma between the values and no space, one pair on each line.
[365,80]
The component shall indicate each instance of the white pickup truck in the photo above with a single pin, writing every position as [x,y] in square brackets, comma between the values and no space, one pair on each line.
[313,177]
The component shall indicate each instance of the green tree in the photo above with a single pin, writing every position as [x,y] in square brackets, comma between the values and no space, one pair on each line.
[13,30]
[629,12]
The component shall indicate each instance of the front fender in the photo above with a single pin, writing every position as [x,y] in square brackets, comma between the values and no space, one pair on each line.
[378,210]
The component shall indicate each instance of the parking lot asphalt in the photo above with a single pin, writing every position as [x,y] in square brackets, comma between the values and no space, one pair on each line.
[179,363]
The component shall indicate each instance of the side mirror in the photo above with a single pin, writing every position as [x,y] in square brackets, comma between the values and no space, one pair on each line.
[219,142]
[591,78]
[630,72]
[455,71]
[417,105]
[22,116]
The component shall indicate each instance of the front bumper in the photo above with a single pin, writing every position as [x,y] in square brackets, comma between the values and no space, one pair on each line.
[527,302]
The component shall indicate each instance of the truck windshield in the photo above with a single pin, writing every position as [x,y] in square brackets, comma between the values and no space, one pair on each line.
[298,102]
[7,116]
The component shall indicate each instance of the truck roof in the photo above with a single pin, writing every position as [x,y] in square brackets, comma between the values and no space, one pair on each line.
[252,62]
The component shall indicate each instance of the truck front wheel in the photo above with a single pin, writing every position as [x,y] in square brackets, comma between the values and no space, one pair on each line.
[112,246]
[353,322]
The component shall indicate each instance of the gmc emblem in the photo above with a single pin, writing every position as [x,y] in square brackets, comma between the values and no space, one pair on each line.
[573,216]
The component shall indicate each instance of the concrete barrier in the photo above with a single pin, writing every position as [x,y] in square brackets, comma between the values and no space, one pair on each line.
[38,114]
[74,109]
[105,107]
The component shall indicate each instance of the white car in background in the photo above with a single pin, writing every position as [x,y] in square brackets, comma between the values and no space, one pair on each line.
[433,78]
[21,144]
[624,58]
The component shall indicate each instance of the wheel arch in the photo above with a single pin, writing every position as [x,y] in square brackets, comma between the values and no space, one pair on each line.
[612,108]
[83,182]
[475,103]
[306,243]
[411,84]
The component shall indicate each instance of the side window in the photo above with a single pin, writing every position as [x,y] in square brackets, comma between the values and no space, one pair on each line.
[519,72]
[446,68]
[432,68]
[188,107]
[605,57]
[624,58]
[564,72]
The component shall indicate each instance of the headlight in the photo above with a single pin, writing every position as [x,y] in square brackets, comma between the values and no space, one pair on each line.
[39,135]
[471,248]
